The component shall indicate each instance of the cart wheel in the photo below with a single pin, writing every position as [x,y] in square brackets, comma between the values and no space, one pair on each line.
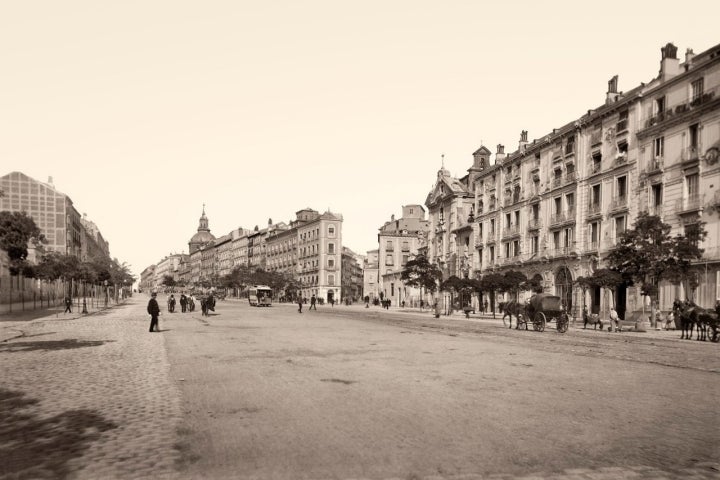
[562,323]
[539,322]
[714,335]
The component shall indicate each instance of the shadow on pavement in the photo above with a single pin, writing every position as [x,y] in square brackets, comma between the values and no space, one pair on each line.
[35,447]
[50,345]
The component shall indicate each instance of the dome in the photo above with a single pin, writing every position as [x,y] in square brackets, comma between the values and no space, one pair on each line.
[202,237]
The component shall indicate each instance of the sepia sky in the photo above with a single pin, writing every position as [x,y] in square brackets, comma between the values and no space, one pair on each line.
[142,111]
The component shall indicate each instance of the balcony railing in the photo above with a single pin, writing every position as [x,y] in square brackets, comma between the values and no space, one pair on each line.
[558,252]
[689,153]
[534,223]
[570,177]
[655,165]
[511,230]
[594,168]
[680,108]
[690,203]
[557,181]
[619,202]
[594,208]
[561,217]
[592,246]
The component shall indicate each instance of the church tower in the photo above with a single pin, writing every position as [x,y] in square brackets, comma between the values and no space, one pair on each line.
[203,235]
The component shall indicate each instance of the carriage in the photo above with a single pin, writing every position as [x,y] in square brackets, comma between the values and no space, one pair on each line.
[543,308]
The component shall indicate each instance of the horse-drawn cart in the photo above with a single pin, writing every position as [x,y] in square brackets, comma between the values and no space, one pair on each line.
[543,308]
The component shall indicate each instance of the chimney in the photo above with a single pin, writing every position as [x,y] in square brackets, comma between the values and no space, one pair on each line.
[689,55]
[500,155]
[612,93]
[523,141]
[392,217]
[669,63]
[50,180]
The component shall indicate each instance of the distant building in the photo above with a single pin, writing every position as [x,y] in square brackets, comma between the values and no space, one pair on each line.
[399,240]
[52,211]
[371,283]
[203,235]
[352,275]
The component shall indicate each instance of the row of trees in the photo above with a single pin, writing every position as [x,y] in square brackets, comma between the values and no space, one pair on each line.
[645,255]
[18,229]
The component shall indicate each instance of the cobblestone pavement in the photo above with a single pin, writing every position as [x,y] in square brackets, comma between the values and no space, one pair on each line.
[87,397]
[91,398]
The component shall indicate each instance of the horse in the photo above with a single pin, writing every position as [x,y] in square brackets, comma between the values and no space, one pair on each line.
[593,319]
[705,319]
[511,308]
[681,311]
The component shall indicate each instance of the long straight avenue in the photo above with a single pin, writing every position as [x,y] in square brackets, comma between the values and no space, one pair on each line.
[349,392]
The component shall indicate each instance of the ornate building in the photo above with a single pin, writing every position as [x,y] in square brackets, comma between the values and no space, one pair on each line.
[203,235]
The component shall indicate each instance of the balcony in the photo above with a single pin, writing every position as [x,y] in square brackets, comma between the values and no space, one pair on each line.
[558,252]
[562,217]
[619,202]
[681,108]
[655,166]
[691,204]
[594,208]
[690,154]
[594,168]
[620,159]
[571,177]
[592,246]
[622,126]
[557,181]
[534,224]
[656,210]
[511,231]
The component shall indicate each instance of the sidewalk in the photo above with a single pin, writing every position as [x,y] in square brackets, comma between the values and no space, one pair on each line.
[87,397]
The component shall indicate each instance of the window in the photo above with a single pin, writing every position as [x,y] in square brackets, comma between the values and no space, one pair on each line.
[696,89]
[389,245]
[331,279]
[656,195]
[405,246]
[535,244]
[331,248]
[492,226]
[389,259]
[659,105]
[570,201]
[331,231]
[694,136]
[594,235]
[517,218]
[492,254]
[556,240]
[622,186]
[411,211]
[570,145]
[568,237]
[597,162]
[595,195]
[619,226]
[622,124]
[508,253]
[331,262]
[659,147]
[516,247]
[508,222]
[557,205]
[622,148]
[692,184]
[535,211]
[404,260]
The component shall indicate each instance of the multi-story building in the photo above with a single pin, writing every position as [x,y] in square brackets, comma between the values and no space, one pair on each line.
[281,250]
[371,284]
[557,206]
[169,266]
[147,279]
[319,253]
[239,248]
[93,243]
[223,252]
[351,275]
[52,211]
[398,242]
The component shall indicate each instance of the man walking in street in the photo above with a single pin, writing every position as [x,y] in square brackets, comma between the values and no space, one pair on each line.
[154,310]
[313,302]
[68,304]
[299,304]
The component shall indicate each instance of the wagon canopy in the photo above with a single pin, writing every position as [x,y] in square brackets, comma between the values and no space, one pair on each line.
[542,302]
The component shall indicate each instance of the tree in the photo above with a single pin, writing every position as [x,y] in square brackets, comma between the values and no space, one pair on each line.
[168,281]
[16,230]
[421,273]
[492,282]
[514,282]
[647,255]
[534,284]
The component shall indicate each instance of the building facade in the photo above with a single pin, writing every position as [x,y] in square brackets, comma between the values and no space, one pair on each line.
[371,283]
[399,240]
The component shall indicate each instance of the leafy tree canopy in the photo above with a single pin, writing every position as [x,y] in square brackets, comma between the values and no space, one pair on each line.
[16,230]
[421,273]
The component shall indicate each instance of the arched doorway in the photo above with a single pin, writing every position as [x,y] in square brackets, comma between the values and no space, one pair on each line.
[563,287]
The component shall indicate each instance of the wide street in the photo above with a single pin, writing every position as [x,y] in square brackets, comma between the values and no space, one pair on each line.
[349,392]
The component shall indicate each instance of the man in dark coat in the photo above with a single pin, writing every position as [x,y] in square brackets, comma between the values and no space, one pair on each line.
[154,310]
[313,302]
[183,303]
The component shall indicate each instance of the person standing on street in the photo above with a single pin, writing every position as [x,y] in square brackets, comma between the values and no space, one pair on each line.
[183,303]
[68,304]
[299,304]
[154,310]
[313,302]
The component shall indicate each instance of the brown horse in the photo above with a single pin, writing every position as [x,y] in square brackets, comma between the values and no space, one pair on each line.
[511,308]
[692,315]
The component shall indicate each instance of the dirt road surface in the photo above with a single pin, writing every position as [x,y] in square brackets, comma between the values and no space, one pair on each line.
[346,392]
